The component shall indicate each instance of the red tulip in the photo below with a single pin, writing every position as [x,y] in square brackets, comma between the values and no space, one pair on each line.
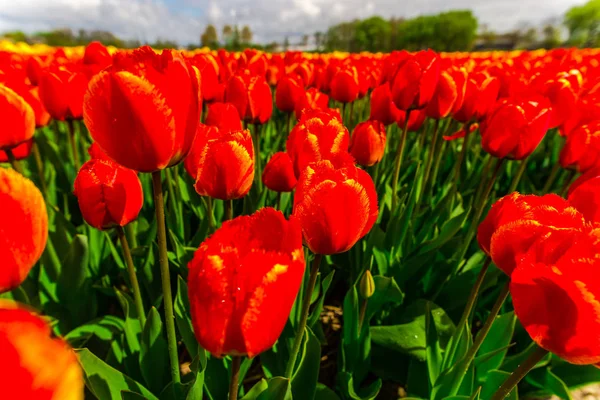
[98,55]
[415,80]
[108,194]
[289,89]
[225,167]
[416,119]
[23,228]
[35,364]
[144,110]
[96,152]
[344,85]
[516,222]
[243,282]
[582,148]
[336,205]
[279,173]
[444,97]
[367,143]
[18,119]
[212,90]
[515,127]
[223,116]
[563,92]
[557,302]
[20,152]
[312,99]
[319,135]
[480,97]
[251,95]
[585,197]
[61,91]
[383,108]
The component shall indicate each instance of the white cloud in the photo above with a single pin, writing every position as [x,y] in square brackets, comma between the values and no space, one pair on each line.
[184,20]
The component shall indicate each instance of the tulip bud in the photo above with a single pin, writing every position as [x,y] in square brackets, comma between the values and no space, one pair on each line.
[109,195]
[223,116]
[344,85]
[279,173]
[23,228]
[367,143]
[366,286]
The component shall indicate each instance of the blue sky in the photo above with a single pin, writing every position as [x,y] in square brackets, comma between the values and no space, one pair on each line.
[270,20]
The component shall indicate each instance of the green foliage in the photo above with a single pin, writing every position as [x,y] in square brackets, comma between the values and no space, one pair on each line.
[583,23]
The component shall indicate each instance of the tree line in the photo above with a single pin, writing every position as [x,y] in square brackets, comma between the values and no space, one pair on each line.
[456,30]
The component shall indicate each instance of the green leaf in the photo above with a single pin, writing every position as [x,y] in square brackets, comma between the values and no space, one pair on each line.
[133,332]
[499,337]
[386,291]
[304,380]
[256,390]
[324,393]
[368,393]
[182,317]
[410,338]
[448,231]
[316,313]
[543,378]
[278,389]
[493,381]
[104,328]
[105,382]
[127,395]
[198,367]
[153,353]
[433,350]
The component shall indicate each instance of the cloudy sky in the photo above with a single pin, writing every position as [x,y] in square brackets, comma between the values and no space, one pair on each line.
[184,20]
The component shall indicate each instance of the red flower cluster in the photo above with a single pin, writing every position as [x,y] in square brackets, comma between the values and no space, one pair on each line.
[550,248]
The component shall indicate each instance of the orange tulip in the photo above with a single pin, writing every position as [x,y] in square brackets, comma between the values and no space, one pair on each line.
[108,194]
[144,110]
[34,364]
[336,205]
[23,228]
[19,119]
[225,167]
[243,282]
[367,143]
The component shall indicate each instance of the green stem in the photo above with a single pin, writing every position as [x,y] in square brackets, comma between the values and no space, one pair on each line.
[517,177]
[399,154]
[209,213]
[361,314]
[137,294]
[484,174]
[13,161]
[551,178]
[568,181]
[131,235]
[288,122]
[429,162]
[472,352]
[159,205]
[314,271]
[474,293]
[73,143]
[513,380]
[479,211]
[228,210]
[257,166]
[279,201]
[351,115]
[461,158]
[40,168]
[236,361]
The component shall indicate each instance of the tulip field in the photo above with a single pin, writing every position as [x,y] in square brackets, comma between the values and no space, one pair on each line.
[188,225]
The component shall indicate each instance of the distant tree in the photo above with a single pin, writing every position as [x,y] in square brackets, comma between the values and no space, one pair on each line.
[304,40]
[583,23]
[372,34]
[528,38]
[286,44]
[163,44]
[551,36]
[15,36]
[227,34]
[246,35]
[209,38]
[318,39]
